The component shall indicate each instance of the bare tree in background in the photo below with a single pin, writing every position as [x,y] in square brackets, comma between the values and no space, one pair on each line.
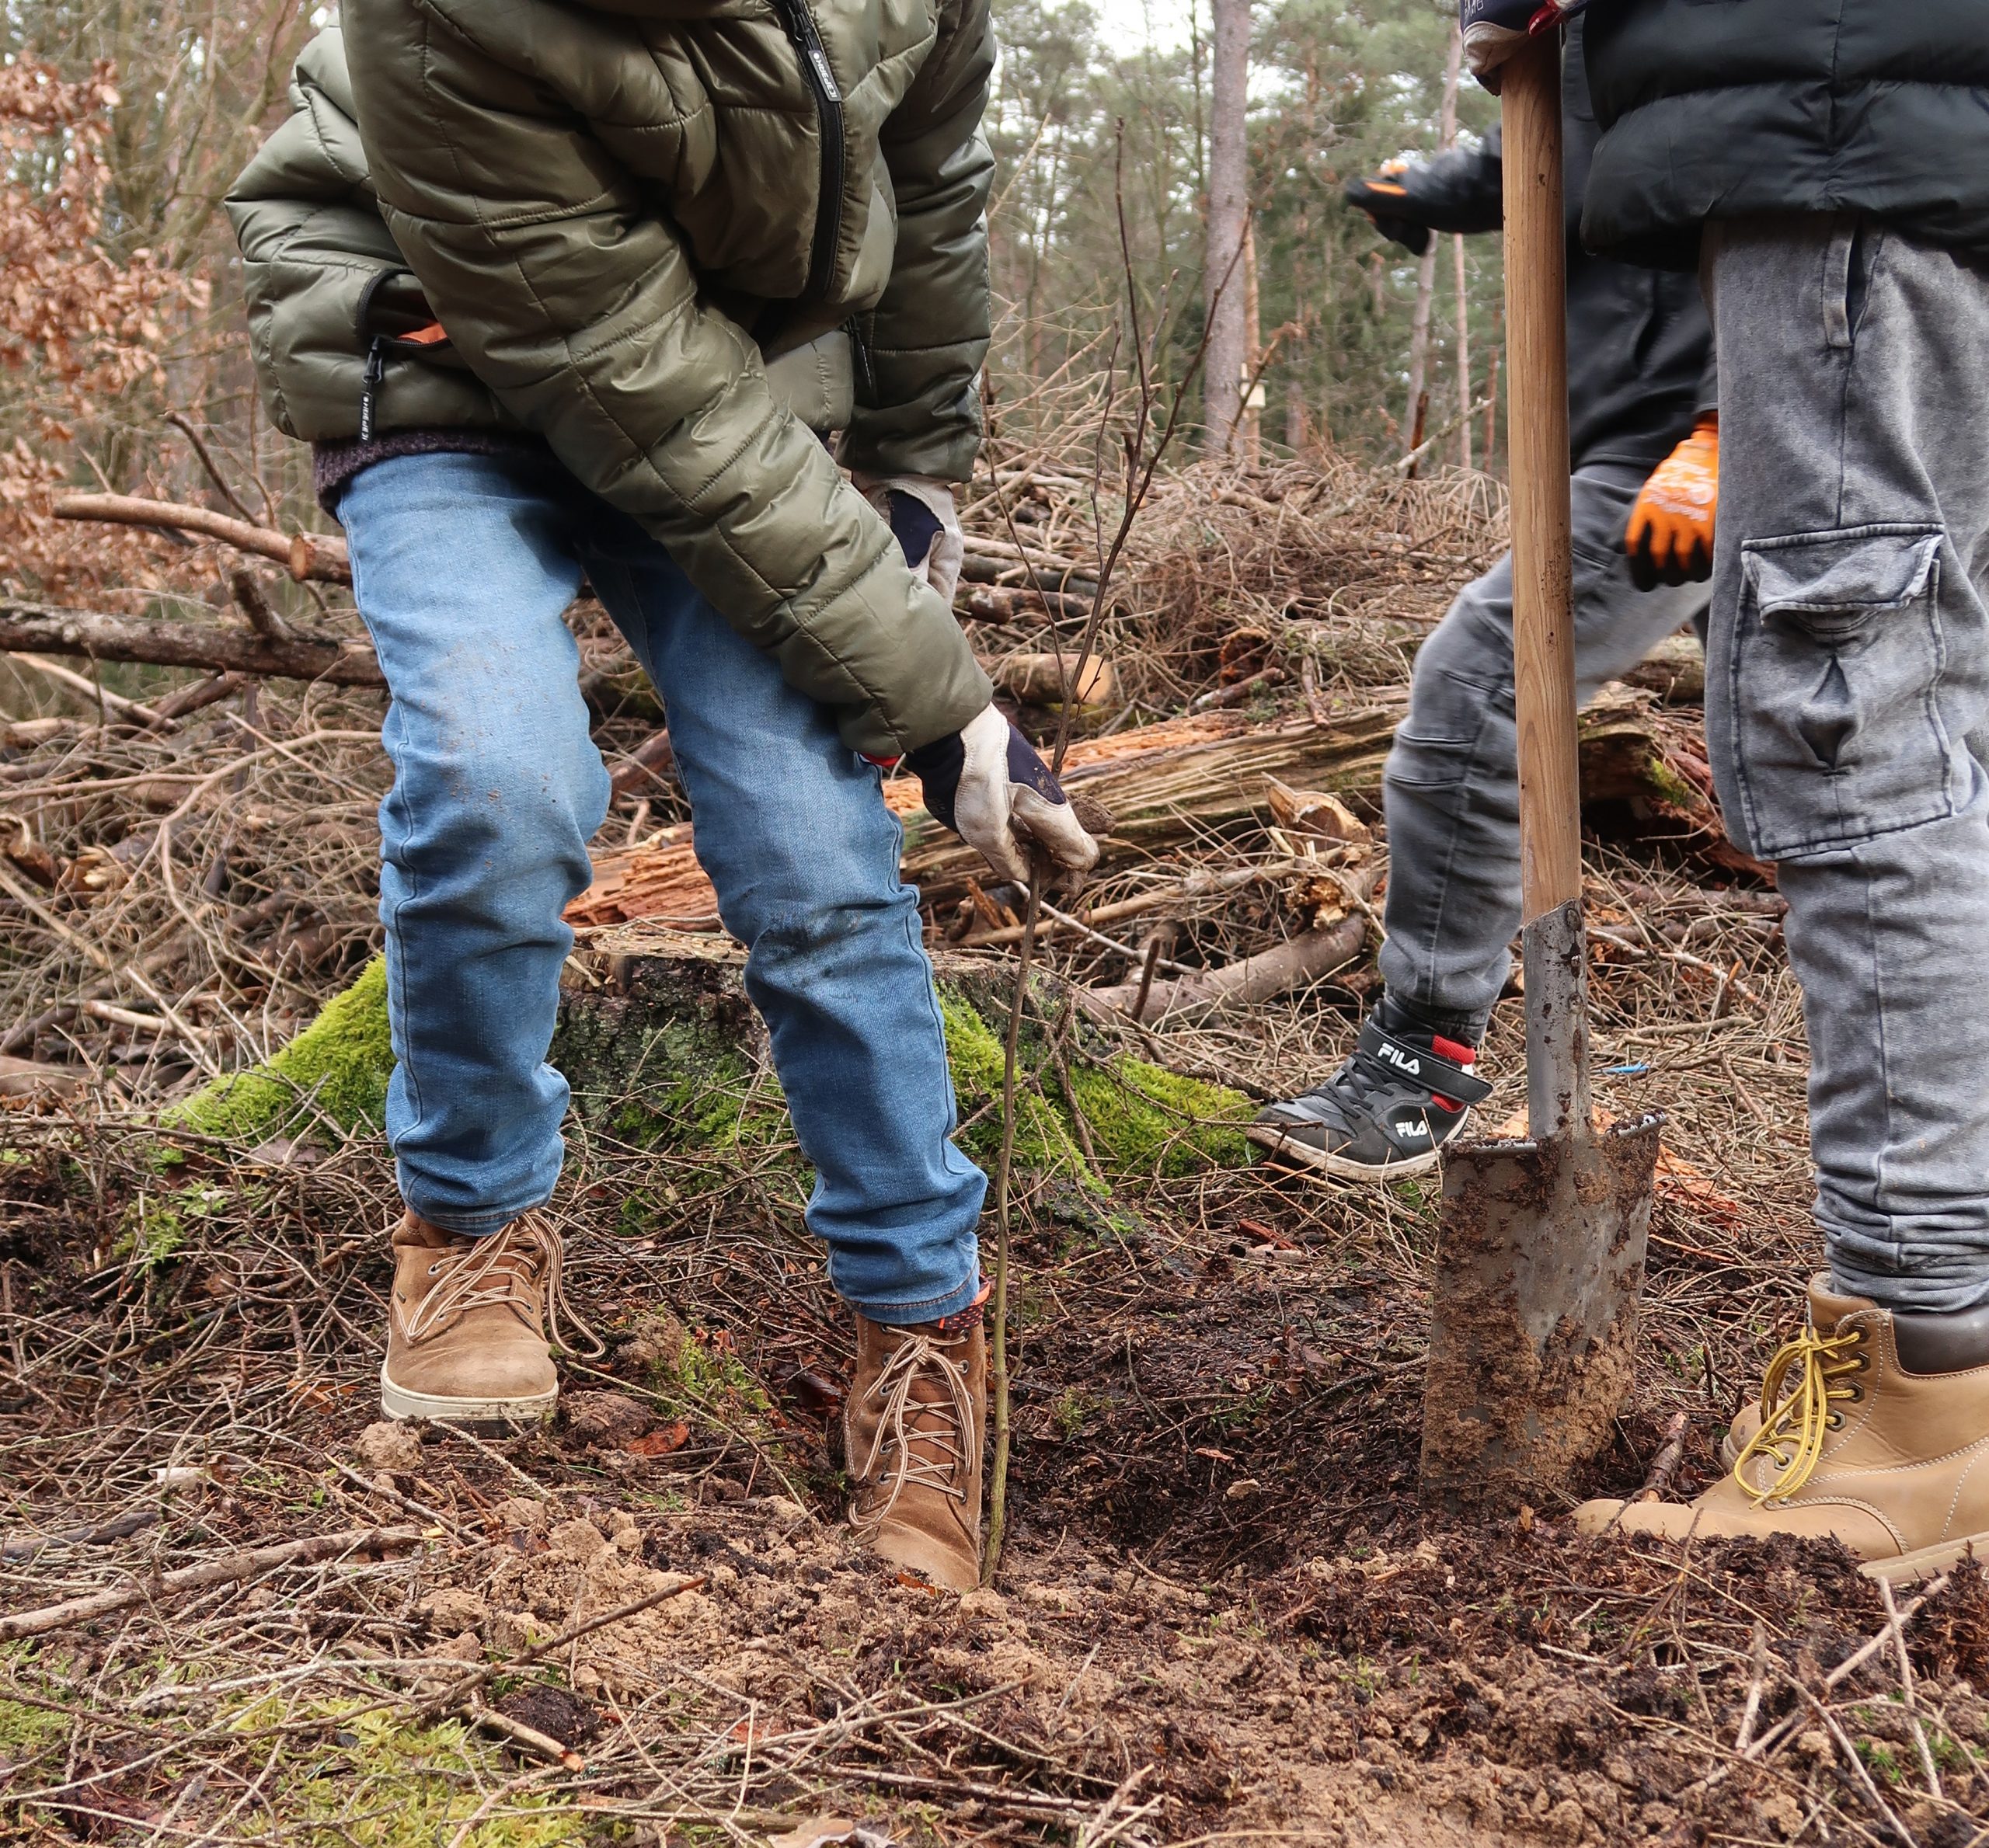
[1225,291]
[1425,277]
[1452,68]
[1416,410]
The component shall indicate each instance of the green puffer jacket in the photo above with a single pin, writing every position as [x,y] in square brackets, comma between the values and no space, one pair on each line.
[650,227]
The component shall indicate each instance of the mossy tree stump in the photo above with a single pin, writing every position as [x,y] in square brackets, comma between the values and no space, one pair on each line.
[662,1048]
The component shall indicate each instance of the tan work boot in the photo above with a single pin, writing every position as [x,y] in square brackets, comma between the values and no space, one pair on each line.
[466,1325]
[1738,1435]
[912,1429]
[1874,1431]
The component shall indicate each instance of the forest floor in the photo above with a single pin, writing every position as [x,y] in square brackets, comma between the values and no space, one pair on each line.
[1221,1615]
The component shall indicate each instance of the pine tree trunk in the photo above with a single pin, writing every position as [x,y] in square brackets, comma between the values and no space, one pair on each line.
[1464,358]
[1225,283]
[1419,349]
[1453,68]
[1249,428]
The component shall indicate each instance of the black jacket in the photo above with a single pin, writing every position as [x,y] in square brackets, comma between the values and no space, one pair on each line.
[1639,346]
[1724,109]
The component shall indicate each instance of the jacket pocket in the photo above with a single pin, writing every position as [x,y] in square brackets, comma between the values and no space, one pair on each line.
[1836,666]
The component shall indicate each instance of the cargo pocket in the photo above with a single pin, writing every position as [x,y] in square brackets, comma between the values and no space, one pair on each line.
[1837,659]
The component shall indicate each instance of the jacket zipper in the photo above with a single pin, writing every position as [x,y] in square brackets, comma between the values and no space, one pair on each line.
[867,377]
[821,83]
[369,389]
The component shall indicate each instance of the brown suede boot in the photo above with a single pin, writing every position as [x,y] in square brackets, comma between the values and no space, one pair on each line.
[912,1430]
[1876,1432]
[466,1325]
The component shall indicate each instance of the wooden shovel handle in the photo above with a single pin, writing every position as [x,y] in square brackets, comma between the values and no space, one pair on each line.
[1537,440]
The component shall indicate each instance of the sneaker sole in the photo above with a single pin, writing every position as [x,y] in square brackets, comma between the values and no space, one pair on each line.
[398,1402]
[1268,1136]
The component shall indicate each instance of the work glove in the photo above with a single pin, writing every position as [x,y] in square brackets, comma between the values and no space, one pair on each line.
[1494,30]
[919,509]
[1669,536]
[1374,196]
[986,783]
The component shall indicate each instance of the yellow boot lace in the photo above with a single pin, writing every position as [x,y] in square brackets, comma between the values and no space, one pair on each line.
[1797,1393]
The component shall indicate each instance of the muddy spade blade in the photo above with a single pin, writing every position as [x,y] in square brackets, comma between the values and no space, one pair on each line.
[1540,1259]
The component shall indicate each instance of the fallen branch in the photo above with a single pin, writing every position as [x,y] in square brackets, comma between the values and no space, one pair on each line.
[646,763]
[1403,465]
[114,705]
[1665,1464]
[1051,679]
[529,1738]
[315,556]
[229,1569]
[1235,694]
[1009,603]
[40,629]
[1272,971]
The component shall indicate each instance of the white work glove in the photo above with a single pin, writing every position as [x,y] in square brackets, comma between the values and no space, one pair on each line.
[919,508]
[1494,30]
[986,783]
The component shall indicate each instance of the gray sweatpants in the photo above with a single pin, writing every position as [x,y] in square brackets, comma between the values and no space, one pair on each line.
[1450,789]
[1847,712]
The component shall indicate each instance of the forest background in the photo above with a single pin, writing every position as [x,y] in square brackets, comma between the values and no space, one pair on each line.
[122,122]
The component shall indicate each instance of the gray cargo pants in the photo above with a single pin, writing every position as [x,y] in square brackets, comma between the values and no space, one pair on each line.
[1451,789]
[1847,712]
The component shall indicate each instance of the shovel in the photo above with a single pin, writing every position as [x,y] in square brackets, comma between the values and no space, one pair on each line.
[1540,1248]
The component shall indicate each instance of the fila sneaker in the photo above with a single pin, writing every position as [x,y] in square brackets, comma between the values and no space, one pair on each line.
[1386,1111]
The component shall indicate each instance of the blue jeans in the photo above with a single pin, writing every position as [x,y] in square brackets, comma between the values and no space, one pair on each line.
[462,565]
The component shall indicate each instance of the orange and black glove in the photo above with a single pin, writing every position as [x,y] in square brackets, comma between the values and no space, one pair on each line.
[1669,536]
[1374,197]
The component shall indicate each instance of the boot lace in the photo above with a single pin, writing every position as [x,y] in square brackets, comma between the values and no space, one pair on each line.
[513,1265]
[916,1354]
[1798,1392]
[1346,1099]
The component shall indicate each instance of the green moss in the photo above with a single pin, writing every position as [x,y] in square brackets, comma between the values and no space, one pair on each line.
[1144,1119]
[392,1785]
[341,1063]
[156,1227]
[1044,1138]
[25,1730]
[1668,786]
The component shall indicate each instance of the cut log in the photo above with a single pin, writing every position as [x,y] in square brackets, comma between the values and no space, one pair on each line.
[1675,670]
[319,556]
[1274,972]
[1018,605]
[1187,777]
[38,629]
[1051,679]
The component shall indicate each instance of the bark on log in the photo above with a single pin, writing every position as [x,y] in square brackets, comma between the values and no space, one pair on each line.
[319,556]
[1675,670]
[1019,605]
[1270,972]
[1185,776]
[38,629]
